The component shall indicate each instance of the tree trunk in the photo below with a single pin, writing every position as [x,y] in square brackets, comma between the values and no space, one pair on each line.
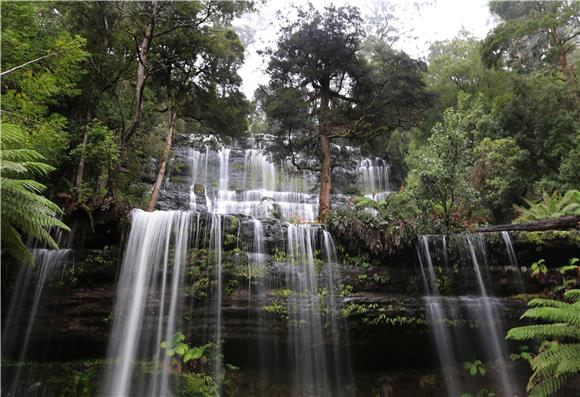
[171,114]
[567,69]
[563,223]
[137,109]
[81,166]
[325,157]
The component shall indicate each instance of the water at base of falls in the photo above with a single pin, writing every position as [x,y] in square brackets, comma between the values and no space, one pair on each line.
[453,343]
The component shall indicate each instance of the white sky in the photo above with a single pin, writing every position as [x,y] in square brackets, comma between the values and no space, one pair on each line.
[422,21]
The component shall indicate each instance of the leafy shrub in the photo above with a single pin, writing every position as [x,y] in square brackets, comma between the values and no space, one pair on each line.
[377,227]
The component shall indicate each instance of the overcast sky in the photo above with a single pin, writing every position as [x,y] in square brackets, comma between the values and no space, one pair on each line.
[421,22]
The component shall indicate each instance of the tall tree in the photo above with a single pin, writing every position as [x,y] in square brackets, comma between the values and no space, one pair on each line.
[197,64]
[536,34]
[324,85]
[317,58]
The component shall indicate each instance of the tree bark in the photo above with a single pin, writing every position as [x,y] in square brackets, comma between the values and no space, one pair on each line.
[137,109]
[171,115]
[567,69]
[563,223]
[325,157]
[81,166]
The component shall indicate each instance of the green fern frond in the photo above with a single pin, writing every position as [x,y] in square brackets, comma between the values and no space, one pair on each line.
[24,211]
[573,295]
[544,331]
[570,314]
[542,302]
[553,206]
[546,388]
[557,359]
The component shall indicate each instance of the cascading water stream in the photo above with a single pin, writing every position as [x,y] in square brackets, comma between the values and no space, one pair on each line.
[436,317]
[374,178]
[494,335]
[151,287]
[147,254]
[481,310]
[49,266]
[511,253]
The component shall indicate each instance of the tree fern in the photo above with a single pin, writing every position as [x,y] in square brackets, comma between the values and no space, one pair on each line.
[24,211]
[553,206]
[559,355]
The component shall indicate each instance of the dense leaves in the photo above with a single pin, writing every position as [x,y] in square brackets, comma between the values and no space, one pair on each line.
[24,211]
[559,355]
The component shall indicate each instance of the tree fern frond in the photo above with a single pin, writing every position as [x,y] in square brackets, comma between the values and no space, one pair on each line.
[546,387]
[573,295]
[544,331]
[13,245]
[21,155]
[12,134]
[570,314]
[24,211]
[543,302]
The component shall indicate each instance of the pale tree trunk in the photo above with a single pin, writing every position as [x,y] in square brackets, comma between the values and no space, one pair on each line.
[81,166]
[171,114]
[567,69]
[137,110]
[325,157]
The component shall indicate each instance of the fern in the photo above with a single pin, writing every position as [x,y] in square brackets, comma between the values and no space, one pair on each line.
[554,206]
[559,357]
[24,211]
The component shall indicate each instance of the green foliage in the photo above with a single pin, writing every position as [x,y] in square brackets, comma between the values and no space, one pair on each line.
[438,175]
[375,314]
[179,350]
[31,31]
[559,354]
[475,367]
[554,206]
[387,232]
[539,270]
[24,211]
[279,255]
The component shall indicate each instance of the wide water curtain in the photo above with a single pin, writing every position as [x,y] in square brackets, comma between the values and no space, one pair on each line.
[149,298]
[237,208]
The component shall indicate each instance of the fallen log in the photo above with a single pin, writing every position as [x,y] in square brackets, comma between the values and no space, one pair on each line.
[563,223]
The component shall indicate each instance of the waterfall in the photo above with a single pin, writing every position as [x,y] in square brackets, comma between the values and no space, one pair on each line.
[494,335]
[511,253]
[216,248]
[259,194]
[151,289]
[309,364]
[147,268]
[436,317]
[374,178]
[480,310]
[32,281]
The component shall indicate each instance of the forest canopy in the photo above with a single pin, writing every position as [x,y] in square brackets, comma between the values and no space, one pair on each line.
[97,90]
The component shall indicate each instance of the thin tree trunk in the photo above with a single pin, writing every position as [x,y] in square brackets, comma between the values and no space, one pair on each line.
[81,166]
[137,110]
[171,114]
[567,69]
[325,156]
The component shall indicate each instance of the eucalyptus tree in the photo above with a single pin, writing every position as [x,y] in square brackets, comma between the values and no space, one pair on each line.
[536,34]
